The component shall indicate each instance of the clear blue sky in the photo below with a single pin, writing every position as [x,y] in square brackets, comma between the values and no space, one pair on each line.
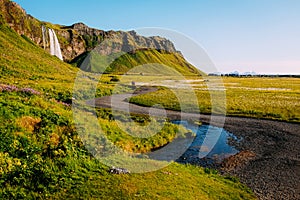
[243,35]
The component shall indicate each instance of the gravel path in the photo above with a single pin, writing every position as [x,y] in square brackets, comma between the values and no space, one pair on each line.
[274,172]
[269,162]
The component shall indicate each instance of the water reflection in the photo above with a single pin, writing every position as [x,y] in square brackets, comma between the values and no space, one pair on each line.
[203,155]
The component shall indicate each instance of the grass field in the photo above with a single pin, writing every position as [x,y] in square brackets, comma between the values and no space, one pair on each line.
[42,155]
[265,98]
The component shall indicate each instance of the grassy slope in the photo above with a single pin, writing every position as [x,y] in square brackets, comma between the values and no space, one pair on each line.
[24,64]
[127,62]
[42,156]
[174,60]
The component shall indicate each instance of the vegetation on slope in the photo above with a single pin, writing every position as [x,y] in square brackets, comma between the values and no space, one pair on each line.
[26,65]
[41,155]
[123,63]
[143,57]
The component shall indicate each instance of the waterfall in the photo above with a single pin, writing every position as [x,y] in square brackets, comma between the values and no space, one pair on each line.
[44,36]
[54,45]
[51,37]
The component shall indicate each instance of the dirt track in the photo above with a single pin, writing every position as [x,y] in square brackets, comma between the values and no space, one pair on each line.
[274,171]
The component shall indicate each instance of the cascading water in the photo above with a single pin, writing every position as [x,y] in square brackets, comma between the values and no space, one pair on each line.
[54,45]
[44,30]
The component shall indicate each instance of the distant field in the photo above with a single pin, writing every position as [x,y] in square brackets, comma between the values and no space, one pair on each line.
[268,98]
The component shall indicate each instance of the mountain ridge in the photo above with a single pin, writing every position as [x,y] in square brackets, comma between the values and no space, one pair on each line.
[76,39]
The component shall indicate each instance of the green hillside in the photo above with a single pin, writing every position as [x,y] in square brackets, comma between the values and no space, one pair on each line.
[128,61]
[25,64]
[42,156]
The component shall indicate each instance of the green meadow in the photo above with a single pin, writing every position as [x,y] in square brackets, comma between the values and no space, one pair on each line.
[263,98]
[55,146]
[42,155]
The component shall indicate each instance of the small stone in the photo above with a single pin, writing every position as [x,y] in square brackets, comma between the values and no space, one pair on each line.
[118,170]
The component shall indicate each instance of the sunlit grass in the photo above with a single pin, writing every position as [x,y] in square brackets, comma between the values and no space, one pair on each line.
[42,155]
[268,98]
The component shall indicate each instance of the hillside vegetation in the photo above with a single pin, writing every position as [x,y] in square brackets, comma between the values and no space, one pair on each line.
[152,59]
[42,156]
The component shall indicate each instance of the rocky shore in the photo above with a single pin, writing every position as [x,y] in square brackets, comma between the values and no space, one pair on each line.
[269,162]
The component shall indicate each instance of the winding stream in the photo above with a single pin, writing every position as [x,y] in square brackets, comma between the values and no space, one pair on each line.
[200,154]
[208,148]
[274,172]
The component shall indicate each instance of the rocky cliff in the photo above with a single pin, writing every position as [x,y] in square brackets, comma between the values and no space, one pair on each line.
[16,17]
[77,39]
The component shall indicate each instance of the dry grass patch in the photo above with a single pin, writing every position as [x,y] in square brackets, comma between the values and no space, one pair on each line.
[28,123]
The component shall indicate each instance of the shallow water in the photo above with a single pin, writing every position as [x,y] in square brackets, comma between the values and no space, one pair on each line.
[210,145]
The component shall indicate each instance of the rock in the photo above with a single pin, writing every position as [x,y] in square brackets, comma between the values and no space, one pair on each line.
[117,170]
[167,173]
[236,161]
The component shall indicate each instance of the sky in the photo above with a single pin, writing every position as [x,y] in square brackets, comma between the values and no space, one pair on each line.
[238,35]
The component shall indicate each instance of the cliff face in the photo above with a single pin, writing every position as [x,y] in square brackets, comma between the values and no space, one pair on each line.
[77,39]
[16,17]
